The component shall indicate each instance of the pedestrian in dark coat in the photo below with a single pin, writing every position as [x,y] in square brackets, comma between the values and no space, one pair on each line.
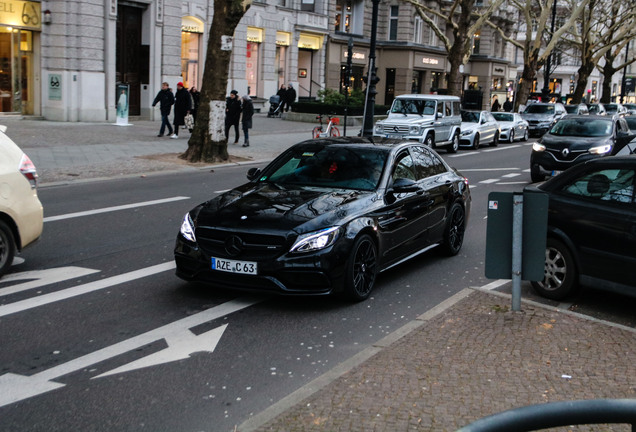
[196,96]
[232,115]
[495,105]
[507,106]
[182,106]
[282,94]
[290,97]
[165,99]
[248,111]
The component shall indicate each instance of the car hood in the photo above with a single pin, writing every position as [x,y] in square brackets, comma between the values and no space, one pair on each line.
[505,124]
[469,126]
[573,143]
[537,117]
[409,119]
[272,208]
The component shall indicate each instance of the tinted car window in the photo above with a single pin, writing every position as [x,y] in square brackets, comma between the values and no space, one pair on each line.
[582,128]
[427,163]
[503,117]
[456,108]
[470,117]
[413,106]
[540,109]
[616,185]
[329,166]
[631,122]
[404,167]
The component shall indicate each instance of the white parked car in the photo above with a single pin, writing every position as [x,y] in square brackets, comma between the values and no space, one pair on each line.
[479,127]
[21,215]
[511,126]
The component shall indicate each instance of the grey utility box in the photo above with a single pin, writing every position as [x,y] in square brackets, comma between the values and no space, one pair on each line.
[499,235]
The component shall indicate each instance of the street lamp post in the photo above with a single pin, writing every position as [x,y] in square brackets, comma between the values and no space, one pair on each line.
[367,128]
[545,92]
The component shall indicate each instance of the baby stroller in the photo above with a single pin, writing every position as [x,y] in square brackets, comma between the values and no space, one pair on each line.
[274,106]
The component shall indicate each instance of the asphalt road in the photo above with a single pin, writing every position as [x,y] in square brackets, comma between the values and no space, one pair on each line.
[105,343]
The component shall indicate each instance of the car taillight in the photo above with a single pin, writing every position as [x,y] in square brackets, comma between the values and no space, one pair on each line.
[28,170]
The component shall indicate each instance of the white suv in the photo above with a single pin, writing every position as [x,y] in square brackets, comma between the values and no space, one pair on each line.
[21,215]
[434,120]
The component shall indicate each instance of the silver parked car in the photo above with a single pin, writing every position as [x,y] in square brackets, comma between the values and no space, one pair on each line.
[478,127]
[511,126]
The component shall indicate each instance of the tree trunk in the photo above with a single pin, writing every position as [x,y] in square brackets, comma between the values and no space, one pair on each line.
[523,91]
[608,73]
[208,142]
[455,77]
[581,82]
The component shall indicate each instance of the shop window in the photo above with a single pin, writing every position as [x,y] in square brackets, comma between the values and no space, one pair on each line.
[251,67]
[281,64]
[417,81]
[190,58]
[393,23]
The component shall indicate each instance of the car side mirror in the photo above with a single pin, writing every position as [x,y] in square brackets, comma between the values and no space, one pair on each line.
[404,185]
[253,173]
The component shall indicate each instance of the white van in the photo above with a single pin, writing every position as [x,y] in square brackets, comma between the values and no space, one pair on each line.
[434,120]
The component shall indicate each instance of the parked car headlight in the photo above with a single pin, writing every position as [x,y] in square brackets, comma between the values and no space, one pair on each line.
[187,228]
[466,132]
[379,128]
[415,130]
[601,149]
[538,147]
[316,240]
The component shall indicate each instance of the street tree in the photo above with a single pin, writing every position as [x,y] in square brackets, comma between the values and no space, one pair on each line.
[207,142]
[602,31]
[462,18]
[534,15]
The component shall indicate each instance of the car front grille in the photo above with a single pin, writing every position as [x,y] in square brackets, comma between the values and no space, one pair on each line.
[239,245]
[569,157]
[395,129]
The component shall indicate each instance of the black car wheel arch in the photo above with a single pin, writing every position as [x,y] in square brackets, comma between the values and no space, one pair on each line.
[7,247]
[454,230]
[362,268]
[560,272]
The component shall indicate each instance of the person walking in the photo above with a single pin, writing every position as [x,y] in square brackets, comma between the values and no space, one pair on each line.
[507,106]
[182,106]
[290,97]
[247,109]
[232,115]
[282,97]
[495,104]
[165,99]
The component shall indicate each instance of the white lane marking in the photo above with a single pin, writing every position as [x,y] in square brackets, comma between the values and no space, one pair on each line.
[514,183]
[115,208]
[495,284]
[501,148]
[511,175]
[489,181]
[42,278]
[45,299]
[14,387]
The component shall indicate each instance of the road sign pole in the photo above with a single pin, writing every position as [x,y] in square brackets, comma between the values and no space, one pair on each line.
[517,244]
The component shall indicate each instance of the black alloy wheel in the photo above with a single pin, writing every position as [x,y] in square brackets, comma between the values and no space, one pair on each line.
[525,135]
[495,140]
[362,268]
[559,274]
[454,231]
[7,248]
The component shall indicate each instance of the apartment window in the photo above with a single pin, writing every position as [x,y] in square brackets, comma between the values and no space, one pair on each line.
[393,23]
[476,42]
[308,5]
[418,27]
[344,15]
[432,37]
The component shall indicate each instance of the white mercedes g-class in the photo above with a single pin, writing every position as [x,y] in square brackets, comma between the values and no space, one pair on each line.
[434,120]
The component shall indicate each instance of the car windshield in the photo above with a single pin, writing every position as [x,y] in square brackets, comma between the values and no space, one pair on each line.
[571,109]
[611,108]
[582,128]
[470,117]
[594,108]
[413,106]
[333,166]
[539,109]
[504,117]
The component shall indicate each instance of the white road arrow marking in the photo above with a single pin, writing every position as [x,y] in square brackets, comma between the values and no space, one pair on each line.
[42,278]
[45,299]
[14,388]
[180,347]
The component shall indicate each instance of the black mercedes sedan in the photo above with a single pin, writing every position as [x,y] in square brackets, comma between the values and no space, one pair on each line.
[591,228]
[326,216]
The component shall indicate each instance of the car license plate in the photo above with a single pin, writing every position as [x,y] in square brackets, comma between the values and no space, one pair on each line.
[233,266]
[394,136]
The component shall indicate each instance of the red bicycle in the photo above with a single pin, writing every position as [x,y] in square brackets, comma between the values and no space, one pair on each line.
[332,130]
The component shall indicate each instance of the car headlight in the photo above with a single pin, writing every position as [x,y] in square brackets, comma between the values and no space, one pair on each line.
[316,240]
[466,132]
[599,150]
[538,147]
[379,128]
[187,228]
[415,130]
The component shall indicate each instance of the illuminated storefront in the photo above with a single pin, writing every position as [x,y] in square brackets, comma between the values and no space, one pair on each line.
[191,35]
[283,40]
[20,25]
[252,55]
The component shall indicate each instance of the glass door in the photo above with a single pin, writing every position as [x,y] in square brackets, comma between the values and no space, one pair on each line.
[16,70]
